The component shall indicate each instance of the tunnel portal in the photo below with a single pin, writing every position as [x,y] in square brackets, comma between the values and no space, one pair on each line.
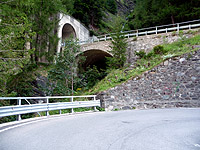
[68,31]
[95,57]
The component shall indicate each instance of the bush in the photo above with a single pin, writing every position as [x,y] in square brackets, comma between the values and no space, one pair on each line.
[150,55]
[159,49]
[140,54]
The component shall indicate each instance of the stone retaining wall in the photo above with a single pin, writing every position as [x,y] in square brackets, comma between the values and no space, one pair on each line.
[174,83]
[148,42]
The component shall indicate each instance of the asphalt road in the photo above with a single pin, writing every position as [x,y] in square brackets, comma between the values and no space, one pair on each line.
[158,129]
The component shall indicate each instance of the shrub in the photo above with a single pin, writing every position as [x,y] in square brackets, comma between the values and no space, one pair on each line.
[140,54]
[150,55]
[159,49]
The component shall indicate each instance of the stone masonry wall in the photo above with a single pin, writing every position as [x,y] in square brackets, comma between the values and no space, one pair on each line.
[148,42]
[174,83]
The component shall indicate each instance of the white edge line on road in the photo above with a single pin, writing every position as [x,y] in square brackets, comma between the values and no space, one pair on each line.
[41,119]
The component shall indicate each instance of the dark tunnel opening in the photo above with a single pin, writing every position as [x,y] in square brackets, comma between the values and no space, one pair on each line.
[95,58]
[93,68]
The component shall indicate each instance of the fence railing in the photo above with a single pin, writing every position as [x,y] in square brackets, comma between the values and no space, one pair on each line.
[26,108]
[147,31]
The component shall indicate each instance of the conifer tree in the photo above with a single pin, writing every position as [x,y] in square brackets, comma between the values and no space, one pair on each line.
[118,48]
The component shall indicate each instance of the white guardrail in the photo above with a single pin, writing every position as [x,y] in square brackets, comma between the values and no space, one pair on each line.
[147,31]
[20,109]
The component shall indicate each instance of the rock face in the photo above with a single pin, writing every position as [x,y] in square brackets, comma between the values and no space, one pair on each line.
[174,83]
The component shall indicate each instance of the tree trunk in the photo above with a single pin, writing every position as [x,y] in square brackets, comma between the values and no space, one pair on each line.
[172,18]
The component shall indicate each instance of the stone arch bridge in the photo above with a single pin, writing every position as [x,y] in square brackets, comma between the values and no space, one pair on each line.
[95,52]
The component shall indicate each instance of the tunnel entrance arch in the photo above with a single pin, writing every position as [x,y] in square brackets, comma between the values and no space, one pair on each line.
[95,58]
[68,31]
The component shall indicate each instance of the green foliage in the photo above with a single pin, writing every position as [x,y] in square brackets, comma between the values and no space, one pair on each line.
[119,45]
[68,5]
[111,6]
[158,12]
[23,83]
[15,32]
[92,76]
[63,76]
[140,54]
[159,49]
[89,12]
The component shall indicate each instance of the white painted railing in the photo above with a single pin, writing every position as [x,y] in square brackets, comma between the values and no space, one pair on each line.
[20,109]
[147,31]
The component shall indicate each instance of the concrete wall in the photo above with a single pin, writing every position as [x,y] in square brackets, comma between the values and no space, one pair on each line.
[174,83]
[82,33]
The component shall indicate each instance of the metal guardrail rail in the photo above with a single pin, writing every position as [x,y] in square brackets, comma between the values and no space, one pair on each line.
[20,109]
[147,31]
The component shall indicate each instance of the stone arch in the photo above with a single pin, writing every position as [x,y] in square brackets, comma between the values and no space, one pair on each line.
[95,57]
[67,31]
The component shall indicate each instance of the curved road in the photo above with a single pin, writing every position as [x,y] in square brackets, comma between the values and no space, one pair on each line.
[158,129]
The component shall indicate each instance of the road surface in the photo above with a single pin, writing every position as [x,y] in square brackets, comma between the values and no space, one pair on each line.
[157,129]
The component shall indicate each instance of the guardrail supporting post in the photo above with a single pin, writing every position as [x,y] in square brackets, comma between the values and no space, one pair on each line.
[105,37]
[47,112]
[137,34]
[156,30]
[19,102]
[177,27]
[95,108]
[189,27]
[60,111]
[166,30]
[72,99]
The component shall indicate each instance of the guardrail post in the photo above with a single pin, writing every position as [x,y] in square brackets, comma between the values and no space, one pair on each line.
[166,30]
[146,32]
[177,27]
[47,112]
[105,37]
[189,27]
[72,99]
[95,108]
[60,111]
[19,102]
[156,30]
[137,34]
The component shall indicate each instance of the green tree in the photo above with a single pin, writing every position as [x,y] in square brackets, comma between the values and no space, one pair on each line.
[63,75]
[43,14]
[119,45]
[111,6]
[89,12]
[15,33]
[68,5]
[158,12]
